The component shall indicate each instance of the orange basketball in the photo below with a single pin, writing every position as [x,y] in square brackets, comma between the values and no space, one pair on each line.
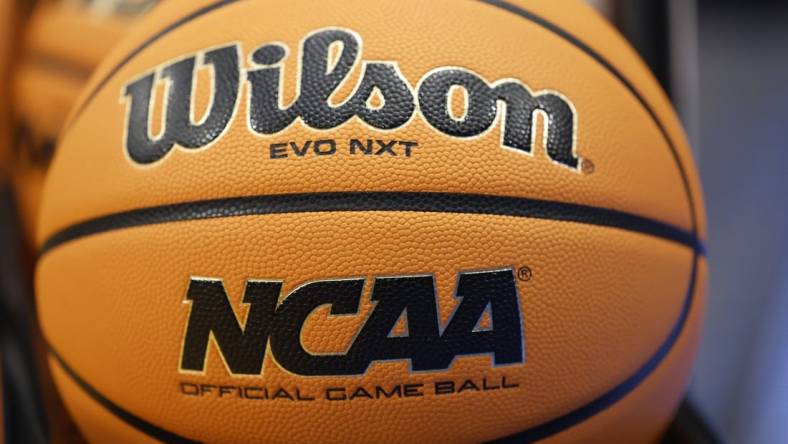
[62,44]
[354,221]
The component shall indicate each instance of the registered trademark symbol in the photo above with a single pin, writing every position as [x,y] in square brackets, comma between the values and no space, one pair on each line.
[587,167]
[524,274]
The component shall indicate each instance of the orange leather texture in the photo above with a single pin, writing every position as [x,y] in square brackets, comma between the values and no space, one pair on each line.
[633,418]
[579,342]
[62,43]
[601,300]
[96,423]
[622,422]
[637,171]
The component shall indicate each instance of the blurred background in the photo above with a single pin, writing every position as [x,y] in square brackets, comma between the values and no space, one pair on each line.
[724,64]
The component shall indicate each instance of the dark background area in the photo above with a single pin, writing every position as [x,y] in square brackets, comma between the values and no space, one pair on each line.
[741,376]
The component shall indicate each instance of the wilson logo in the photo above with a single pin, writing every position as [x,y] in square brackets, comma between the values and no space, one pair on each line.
[426,344]
[328,58]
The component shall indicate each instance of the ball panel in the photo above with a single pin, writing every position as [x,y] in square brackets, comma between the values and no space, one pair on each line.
[634,168]
[94,420]
[637,417]
[578,342]
[614,48]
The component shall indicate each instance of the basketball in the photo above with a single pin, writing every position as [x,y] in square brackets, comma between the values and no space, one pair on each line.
[354,221]
[61,45]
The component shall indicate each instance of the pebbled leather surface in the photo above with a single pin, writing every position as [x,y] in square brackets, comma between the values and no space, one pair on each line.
[600,302]
[464,203]
[591,315]
[636,171]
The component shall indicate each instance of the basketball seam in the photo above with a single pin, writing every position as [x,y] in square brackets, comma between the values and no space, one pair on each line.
[532,434]
[610,397]
[423,202]
[129,418]
[501,4]
[504,5]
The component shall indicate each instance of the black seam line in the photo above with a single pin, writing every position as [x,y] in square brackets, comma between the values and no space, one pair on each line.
[582,413]
[555,29]
[171,27]
[56,63]
[536,433]
[425,202]
[566,421]
[138,423]
[532,434]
